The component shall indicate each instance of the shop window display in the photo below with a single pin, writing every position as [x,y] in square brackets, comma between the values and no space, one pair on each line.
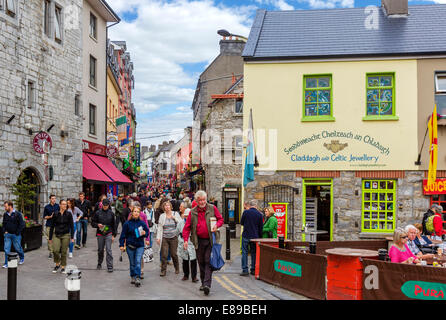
[378,205]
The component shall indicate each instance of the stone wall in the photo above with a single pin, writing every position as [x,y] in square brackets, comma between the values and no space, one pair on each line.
[223,171]
[26,53]
[347,196]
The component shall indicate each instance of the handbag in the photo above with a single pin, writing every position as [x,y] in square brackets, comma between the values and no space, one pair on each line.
[216,260]
[148,254]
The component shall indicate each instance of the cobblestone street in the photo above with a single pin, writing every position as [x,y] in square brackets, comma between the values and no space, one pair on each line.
[37,282]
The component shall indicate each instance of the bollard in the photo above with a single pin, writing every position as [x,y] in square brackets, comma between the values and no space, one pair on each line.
[73,284]
[12,276]
[281,242]
[228,243]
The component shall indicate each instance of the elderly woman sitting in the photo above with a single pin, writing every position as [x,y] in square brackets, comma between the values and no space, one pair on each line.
[400,252]
[412,235]
[423,242]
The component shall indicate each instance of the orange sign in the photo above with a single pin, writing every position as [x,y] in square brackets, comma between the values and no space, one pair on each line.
[438,187]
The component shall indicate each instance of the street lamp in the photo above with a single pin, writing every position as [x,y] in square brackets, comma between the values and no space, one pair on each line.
[226,33]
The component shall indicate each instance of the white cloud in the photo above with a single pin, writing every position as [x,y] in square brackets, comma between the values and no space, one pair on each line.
[329,4]
[165,35]
[277,4]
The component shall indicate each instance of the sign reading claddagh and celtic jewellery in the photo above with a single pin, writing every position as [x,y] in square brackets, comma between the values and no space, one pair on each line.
[42,142]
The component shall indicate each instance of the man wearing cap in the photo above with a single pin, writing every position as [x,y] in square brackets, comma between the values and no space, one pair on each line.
[105,223]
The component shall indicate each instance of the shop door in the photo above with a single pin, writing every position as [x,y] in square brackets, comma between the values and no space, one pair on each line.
[318,207]
[282,195]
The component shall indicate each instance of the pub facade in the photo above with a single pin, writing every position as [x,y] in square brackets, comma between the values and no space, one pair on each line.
[340,118]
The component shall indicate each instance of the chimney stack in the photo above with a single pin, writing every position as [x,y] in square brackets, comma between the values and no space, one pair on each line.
[231,47]
[396,8]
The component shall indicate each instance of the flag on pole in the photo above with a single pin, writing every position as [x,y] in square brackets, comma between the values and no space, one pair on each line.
[249,158]
[433,150]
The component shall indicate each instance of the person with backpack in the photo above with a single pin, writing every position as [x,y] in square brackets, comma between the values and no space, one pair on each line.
[167,237]
[198,227]
[433,222]
[13,224]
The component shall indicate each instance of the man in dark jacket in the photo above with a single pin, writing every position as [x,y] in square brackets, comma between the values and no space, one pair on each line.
[104,221]
[85,206]
[252,222]
[50,209]
[13,225]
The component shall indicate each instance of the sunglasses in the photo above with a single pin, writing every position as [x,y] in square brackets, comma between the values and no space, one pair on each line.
[405,237]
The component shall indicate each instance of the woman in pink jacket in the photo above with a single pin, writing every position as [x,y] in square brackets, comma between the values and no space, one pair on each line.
[400,252]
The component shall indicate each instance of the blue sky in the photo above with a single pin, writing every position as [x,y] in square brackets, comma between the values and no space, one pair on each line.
[172,41]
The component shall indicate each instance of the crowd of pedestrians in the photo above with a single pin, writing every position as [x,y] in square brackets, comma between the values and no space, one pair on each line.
[183,224]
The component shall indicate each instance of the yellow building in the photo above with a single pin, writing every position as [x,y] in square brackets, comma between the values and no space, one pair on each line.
[114,91]
[340,111]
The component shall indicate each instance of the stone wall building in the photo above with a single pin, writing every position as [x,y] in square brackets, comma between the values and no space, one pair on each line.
[40,84]
[222,143]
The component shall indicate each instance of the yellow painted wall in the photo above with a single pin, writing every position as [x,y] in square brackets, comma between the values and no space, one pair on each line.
[274,91]
[113,96]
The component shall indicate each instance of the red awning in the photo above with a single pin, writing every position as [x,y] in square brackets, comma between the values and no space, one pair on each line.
[109,168]
[91,172]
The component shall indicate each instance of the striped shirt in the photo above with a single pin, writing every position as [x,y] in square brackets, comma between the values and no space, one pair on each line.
[169,229]
[413,247]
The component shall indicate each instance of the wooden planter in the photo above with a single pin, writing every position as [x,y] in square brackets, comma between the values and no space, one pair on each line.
[31,239]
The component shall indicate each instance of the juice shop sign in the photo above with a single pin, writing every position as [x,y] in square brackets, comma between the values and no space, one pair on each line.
[424,290]
[288,268]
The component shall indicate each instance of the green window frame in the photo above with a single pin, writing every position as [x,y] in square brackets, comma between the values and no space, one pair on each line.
[378,206]
[317,99]
[377,98]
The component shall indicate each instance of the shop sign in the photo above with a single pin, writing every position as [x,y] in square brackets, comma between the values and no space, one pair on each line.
[281,210]
[112,151]
[138,156]
[94,148]
[438,187]
[288,268]
[424,290]
[42,142]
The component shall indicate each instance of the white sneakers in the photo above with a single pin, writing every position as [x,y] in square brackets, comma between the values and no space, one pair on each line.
[70,255]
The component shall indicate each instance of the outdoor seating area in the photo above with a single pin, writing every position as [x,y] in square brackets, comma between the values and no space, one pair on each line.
[348,270]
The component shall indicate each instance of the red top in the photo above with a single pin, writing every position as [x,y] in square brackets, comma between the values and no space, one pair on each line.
[438,225]
[202,228]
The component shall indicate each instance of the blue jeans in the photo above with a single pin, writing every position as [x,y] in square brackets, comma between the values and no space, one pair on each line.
[168,255]
[151,239]
[245,244]
[135,257]
[82,226]
[70,247]
[16,241]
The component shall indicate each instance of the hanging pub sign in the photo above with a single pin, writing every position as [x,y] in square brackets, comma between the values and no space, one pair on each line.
[438,187]
[112,151]
[42,142]
[280,212]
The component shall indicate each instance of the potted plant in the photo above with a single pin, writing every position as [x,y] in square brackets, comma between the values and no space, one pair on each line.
[24,194]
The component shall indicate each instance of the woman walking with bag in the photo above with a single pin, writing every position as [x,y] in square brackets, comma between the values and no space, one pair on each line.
[167,236]
[143,218]
[63,231]
[133,234]
[189,255]
[77,214]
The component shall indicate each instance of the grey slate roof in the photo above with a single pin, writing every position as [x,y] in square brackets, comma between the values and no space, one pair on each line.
[342,32]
